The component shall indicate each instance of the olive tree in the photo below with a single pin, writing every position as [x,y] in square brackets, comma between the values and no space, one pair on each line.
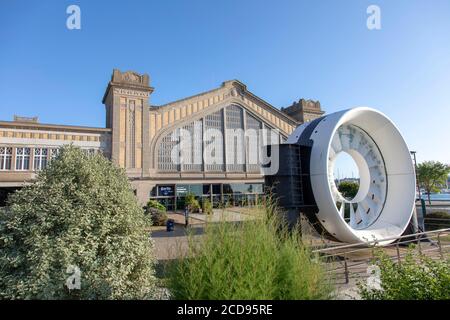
[77,232]
[431,174]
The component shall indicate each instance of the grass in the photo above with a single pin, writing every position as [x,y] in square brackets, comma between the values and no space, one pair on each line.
[256,259]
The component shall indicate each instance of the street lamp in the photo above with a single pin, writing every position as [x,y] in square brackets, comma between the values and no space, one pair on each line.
[413,153]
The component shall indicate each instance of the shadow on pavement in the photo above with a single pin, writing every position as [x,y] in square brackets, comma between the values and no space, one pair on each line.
[179,231]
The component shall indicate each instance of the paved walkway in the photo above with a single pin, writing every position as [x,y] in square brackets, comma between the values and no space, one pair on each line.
[174,244]
[171,245]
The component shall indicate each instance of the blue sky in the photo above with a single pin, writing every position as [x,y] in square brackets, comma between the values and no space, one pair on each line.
[282,50]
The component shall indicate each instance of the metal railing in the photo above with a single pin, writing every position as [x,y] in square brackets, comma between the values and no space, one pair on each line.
[346,262]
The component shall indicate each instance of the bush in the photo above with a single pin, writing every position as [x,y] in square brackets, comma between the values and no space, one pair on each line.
[417,277]
[207,207]
[155,204]
[81,212]
[250,260]
[192,202]
[157,217]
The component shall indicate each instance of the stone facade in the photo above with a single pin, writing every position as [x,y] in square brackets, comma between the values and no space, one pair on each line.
[136,135]
[30,140]
[304,110]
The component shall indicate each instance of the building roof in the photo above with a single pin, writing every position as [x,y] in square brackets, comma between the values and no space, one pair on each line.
[244,89]
[51,127]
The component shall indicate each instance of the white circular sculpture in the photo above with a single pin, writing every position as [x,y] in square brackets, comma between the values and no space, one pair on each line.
[384,204]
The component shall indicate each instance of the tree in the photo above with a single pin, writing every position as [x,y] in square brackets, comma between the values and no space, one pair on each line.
[79,214]
[348,189]
[431,174]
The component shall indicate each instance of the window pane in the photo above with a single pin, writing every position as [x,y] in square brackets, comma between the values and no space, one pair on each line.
[196,189]
[206,188]
[8,161]
[36,163]
[235,139]
[26,163]
[216,188]
[165,162]
[214,122]
[44,163]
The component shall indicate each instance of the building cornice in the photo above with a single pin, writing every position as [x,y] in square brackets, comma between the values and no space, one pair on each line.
[112,85]
[52,127]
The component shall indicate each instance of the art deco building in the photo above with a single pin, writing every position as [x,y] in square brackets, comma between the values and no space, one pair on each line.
[141,137]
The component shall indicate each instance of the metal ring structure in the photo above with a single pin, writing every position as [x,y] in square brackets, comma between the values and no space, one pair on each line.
[385,201]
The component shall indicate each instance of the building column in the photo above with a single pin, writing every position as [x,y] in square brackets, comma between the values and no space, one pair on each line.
[145,139]
[13,158]
[244,127]
[224,124]
[115,136]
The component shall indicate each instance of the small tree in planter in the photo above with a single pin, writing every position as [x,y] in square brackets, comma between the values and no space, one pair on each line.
[157,213]
[192,202]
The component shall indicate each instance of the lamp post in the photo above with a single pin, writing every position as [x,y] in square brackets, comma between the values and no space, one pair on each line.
[415,219]
[415,169]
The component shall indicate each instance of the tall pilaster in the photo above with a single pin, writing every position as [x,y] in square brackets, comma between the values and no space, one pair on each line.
[127,108]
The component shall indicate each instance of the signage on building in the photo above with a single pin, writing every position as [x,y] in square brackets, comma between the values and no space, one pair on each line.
[166,191]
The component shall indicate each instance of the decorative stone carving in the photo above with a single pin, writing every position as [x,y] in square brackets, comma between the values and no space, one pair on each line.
[26,119]
[131,77]
[130,92]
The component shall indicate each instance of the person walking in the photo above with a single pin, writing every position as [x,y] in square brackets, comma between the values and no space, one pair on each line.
[186,216]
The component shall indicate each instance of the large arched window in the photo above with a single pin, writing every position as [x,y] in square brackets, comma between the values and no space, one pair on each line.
[236,150]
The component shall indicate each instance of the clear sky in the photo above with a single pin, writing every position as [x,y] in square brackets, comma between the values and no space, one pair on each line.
[282,50]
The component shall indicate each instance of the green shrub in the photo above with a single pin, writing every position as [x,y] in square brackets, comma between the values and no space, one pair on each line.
[192,202]
[81,212]
[158,217]
[348,189]
[155,204]
[207,207]
[417,277]
[249,260]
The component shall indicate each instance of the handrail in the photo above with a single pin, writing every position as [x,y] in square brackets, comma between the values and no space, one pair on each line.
[380,240]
